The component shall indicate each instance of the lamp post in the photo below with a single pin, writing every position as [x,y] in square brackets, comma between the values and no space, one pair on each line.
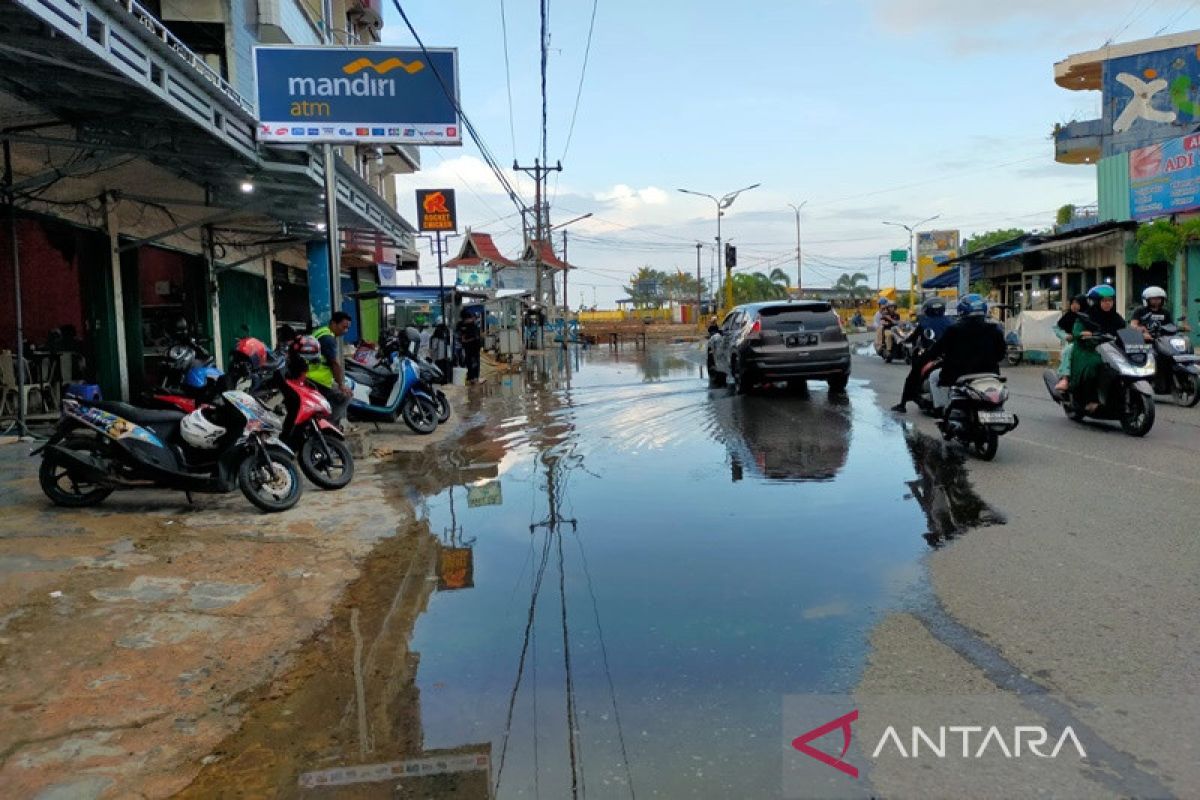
[799,264]
[567,269]
[723,202]
[912,289]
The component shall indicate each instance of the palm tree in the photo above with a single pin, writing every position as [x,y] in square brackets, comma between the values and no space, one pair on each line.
[780,276]
[855,285]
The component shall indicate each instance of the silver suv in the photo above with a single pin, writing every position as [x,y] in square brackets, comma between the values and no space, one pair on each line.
[789,341]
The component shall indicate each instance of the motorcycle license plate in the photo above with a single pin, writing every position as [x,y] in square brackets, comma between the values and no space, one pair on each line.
[801,339]
[994,417]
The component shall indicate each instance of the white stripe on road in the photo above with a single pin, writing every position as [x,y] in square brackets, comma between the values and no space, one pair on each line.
[1108,461]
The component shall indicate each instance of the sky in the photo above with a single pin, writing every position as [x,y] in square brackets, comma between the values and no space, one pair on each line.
[864,110]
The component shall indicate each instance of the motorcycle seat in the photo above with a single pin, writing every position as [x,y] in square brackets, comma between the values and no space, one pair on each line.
[140,416]
[965,379]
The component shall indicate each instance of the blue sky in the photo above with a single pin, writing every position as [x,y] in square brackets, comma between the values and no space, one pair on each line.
[869,110]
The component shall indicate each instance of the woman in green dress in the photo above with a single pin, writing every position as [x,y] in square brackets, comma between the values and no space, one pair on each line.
[1100,319]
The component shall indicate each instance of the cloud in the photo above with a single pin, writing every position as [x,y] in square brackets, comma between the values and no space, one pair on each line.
[624,196]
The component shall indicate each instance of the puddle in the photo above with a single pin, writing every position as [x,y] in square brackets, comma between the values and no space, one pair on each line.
[614,579]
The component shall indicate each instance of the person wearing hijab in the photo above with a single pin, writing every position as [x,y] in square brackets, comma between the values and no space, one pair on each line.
[1101,318]
[1065,331]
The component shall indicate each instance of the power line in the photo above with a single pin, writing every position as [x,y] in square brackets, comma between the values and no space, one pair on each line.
[512,125]
[587,51]
[1177,17]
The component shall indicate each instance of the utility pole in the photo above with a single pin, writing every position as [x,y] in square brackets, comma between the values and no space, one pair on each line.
[878,270]
[699,286]
[912,280]
[538,171]
[799,262]
[566,271]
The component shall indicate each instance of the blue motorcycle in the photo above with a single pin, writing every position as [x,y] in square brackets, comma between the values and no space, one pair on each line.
[103,446]
[381,394]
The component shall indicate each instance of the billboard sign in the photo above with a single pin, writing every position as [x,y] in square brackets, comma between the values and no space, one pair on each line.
[436,210]
[485,494]
[1165,178]
[1149,97]
[524,277]
[934,248]
[456,568]
[357,95]
[478,276]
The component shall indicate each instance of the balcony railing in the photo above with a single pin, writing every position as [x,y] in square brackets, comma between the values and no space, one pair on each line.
[1078,142]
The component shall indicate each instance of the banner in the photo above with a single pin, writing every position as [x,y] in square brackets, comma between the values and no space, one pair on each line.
[436,210]
[934,248]
[1165,178]
[476,277]
[357,95]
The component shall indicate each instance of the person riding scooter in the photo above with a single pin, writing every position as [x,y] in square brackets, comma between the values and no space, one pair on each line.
[973,344]
[886,320]
[1152,313]
[931,324]
[1100,319]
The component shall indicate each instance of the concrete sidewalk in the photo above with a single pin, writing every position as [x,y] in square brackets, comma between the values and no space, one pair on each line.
[133,633]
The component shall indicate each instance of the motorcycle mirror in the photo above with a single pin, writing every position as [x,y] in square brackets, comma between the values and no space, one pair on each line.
[713,330]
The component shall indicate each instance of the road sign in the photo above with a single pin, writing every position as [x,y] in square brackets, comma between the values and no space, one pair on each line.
[357,95]
[899,256]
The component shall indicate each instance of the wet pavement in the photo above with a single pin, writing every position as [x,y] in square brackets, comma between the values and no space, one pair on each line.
[616,575]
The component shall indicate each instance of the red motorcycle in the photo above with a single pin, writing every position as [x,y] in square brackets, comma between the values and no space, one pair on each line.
[320,445]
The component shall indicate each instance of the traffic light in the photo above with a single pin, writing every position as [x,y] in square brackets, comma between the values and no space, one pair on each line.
[730,256]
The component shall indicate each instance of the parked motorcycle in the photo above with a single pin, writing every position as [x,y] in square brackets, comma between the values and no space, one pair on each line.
[432,378]
[975,415]
[380,395]
[320,445]
[99,447]
[1177,367]
[1130,365]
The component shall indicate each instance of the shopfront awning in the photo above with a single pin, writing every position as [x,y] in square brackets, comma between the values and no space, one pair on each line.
[949,278]
[1062,244]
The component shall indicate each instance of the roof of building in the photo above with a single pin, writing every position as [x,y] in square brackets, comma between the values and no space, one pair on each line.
[546,251]
[1085,70]
[477,248]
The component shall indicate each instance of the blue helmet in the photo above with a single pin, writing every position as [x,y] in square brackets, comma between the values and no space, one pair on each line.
[972,305]
[1097,293]
[883,301]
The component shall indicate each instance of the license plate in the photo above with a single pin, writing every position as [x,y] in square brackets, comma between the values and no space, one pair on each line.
[991,417]
[801,339]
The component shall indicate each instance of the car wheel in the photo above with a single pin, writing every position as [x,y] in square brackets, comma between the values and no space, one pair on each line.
[838,383]
[715,378]
[737,375]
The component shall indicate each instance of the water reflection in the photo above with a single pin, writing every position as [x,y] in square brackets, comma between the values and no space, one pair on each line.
[945,494]
[785,438]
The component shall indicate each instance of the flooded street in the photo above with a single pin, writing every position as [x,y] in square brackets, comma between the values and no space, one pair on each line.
[625,554]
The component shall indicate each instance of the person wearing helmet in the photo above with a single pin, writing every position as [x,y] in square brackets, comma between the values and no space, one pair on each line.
[327,373]
[1100,319]
[887,318]
[1153,311]
[932,322]
[972,344]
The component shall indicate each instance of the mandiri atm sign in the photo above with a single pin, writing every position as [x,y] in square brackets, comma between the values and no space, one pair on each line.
[356,95]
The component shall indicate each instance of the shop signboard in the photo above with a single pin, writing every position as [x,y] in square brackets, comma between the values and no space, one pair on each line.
[456,568]
[357,95]
[478,276]
[484,494]
[934,249]
[436,210]
[1165,178]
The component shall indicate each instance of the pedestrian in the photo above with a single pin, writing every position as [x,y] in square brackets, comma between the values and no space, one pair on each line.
[440,351]
[328,374]
[471,338]
[426,339]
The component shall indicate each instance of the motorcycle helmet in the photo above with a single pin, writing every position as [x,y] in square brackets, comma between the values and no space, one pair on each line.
[179,357]
[934,307]
[306,348]
[972,305]
[252,350]
[1096,293]
[199,431]
[883,301]
[1153,291]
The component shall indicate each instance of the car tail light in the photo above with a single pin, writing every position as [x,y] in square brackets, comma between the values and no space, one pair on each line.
[755,329]
[833,335]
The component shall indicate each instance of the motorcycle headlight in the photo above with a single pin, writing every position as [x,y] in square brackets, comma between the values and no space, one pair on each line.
[1179,343]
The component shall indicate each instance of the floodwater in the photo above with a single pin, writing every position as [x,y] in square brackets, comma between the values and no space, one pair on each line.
[626,573]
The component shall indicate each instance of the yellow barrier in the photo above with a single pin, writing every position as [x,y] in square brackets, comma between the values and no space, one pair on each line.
[663,314]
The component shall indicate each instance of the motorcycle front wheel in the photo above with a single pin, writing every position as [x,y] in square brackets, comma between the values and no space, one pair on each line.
[326,461]
[1138,418]
[1185,391]
[443,406]
[270,480]
[420,415]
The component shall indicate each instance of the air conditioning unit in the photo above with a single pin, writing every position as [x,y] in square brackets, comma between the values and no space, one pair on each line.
[367,13]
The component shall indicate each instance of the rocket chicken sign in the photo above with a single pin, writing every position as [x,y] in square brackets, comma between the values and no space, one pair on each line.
[436,210]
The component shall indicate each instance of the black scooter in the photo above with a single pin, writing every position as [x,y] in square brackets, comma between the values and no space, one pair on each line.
[1177,370]
[975,415]
[1129,366]
[99,447]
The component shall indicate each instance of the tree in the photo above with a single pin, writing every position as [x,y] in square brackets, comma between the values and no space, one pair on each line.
[647,288]
[988,238]
[780,276]
[681,287]
[854,285]
[755,286]
[1065,214]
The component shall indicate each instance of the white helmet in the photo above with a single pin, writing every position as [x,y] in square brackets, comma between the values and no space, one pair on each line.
[1153,291]
[199,431]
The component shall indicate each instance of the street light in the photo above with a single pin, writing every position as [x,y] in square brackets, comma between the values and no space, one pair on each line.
[799,281]
[912,289]
[723,202]
[566,302]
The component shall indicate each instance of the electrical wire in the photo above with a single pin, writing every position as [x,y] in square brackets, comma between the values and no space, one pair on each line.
[1177,17]
[512,125]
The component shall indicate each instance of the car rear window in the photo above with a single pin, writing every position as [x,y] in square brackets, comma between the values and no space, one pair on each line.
[809,318]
